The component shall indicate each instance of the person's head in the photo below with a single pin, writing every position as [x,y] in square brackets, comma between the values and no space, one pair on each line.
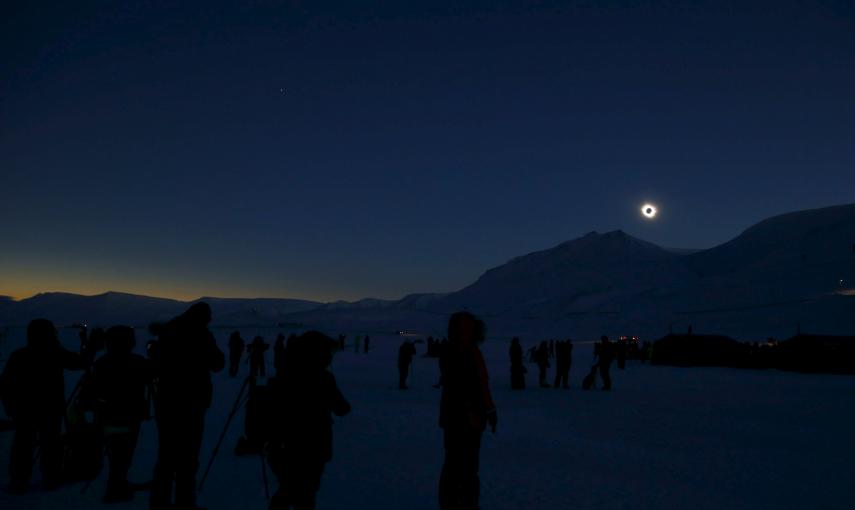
[312,351]
[120,340]
[465,329]
[604,339]
[199,314]
[41,334]
[515,341]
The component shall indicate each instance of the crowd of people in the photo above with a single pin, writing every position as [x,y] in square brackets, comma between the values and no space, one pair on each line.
[119,390]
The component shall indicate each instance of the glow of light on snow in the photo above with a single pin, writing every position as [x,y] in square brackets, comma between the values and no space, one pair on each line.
[649,211]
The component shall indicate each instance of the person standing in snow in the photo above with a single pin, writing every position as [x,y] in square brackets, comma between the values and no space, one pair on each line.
[562,363]
[466,408]
[118,392]
[605,355]
[304,400]
[406,353]
[187,353]
[256,350]
[32,389]
[367,343]
[236,347]
[541,356]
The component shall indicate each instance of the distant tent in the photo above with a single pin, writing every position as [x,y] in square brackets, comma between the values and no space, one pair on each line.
[689,350]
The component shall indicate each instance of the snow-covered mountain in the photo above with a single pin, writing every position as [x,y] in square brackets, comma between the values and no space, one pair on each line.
[789,271]
[577,275]
[121,308]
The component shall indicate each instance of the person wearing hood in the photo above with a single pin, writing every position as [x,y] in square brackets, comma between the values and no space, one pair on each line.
[187,354]
[32,389]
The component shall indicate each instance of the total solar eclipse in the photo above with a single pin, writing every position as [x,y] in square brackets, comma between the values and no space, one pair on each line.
[649,211]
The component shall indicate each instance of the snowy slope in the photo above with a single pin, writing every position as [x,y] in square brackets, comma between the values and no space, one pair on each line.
[577,275]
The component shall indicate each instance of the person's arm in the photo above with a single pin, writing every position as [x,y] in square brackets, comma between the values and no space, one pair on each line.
[216,358]
[486,395]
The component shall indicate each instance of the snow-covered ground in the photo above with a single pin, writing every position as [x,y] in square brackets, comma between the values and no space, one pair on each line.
[665,438]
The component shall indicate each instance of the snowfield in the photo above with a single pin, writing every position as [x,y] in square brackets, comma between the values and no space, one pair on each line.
[699,438]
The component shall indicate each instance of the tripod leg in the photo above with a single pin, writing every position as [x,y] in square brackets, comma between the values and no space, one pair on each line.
[234,410]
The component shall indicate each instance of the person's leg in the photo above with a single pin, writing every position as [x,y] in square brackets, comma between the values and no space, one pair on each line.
[187,461]
[306,493]
[402,377]
[164,468]
[21,457]
[50,439]
[607,379]
[449,478]
[120,448]
[470,463]
[281,499]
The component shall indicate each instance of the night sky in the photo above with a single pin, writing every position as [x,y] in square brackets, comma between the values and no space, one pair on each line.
[327,151]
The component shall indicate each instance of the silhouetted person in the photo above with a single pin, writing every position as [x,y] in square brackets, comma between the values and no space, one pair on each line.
[256,350]
[305,399]
[541,356]
[405,358]
[605,355]
[552,349]
[517,368]
[117,390]
[466,407]
[236,347]
[563,352]
[367,343]
[32,388]
[279,353]
[187,354]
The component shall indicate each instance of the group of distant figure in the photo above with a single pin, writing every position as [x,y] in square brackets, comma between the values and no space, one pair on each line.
[103,417]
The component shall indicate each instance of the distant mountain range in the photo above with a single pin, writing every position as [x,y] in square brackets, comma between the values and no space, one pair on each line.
[787,272]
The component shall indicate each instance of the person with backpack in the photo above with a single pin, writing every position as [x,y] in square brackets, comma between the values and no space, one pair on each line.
[303,402]
[32,389]
[466,408]
[186,355]
[118,391]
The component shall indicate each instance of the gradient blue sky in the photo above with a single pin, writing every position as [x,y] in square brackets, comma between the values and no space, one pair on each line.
[152,149]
